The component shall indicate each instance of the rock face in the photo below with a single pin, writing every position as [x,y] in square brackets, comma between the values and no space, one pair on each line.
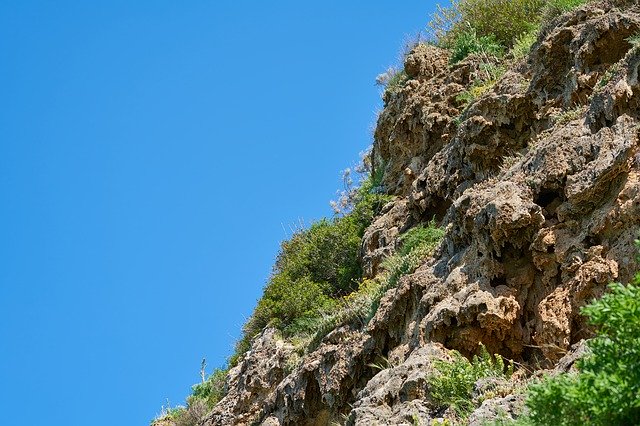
[538,185]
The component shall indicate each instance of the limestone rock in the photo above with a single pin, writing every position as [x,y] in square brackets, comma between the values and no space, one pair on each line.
[540,214]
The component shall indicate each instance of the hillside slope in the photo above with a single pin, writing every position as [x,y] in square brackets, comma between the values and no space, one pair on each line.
[536,183]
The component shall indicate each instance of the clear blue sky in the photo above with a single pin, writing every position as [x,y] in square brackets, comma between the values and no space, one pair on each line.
[150,154]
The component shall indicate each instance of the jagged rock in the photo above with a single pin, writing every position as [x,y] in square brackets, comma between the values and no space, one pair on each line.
[509,407]
[578,50]
[250,384]
[381,237]
[419,118]
[399,395]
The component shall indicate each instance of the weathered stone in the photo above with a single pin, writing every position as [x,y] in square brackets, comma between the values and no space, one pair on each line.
[540,214]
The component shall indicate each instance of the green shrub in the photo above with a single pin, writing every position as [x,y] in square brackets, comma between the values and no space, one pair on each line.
[634,40]
[467,42]
[169,415]
[422,243]
[193,413]
[326,253]
[418,236]
[569,115]
[360,306]
[506,20]
[355,308]
[606,389]
[452,384]
[502,20]
[211,391]
[554,8]
[397,80]
[522,45]
[489,76]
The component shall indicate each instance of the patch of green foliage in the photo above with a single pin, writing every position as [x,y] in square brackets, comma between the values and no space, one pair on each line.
[392,79]
[606,389]
[360,306]
[506,20]
[211,391]
[419,236]
[522,45]
[554,8]
[422,242]
[607,76]
[484,26]
[396,81]
[452,385]
[468,41]
[490,74]
[634,40]
[493,27]
[172,414]
[569,115]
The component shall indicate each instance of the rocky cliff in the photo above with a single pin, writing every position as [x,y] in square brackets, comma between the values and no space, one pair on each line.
[537,184]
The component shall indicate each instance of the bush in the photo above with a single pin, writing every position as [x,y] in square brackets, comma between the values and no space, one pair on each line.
[360,306]
[169,416]
[326,253]
[287,302]
[554,8]
[452,385]
[420,235]
[506,20]
[606,390]
[211,391]
[192,415]
[392,80]
[468,42]
[501,20]
[523,43]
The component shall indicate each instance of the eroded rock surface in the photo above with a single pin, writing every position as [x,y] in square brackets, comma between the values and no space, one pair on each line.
[540,207]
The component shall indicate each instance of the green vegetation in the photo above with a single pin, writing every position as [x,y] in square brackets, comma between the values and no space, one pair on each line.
[361,305]
[422,235]
[419,243]
[169,414]
[453,384]
[211,391]
[490,74]
[522,45]
[569,115]
[606,390]
[634,40]
[554,8]
[396,81]
[492,27]
[468,41]
[392,79]
[486,26]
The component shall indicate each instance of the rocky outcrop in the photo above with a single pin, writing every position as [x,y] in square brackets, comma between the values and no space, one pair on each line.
[537,183]
[250,383]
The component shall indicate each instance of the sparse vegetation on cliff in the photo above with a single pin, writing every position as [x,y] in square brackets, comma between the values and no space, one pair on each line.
[315,269]
[453,384]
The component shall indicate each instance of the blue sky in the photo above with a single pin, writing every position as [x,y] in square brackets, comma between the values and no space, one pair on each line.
[153,154]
